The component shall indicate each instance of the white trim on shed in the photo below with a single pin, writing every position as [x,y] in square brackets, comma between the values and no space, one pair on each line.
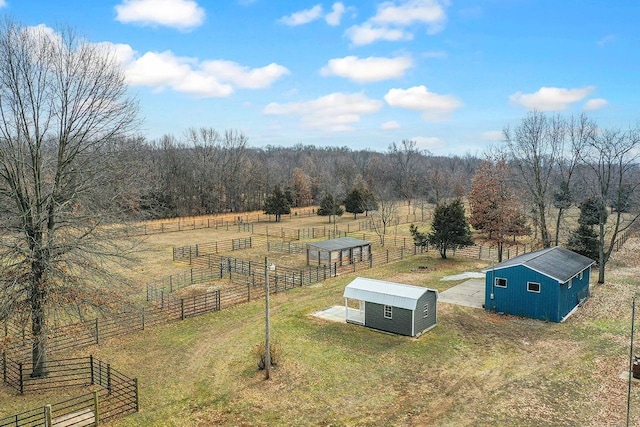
[385,293]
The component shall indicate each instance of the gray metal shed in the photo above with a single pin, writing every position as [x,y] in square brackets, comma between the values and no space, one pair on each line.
[342,251]
[391,307]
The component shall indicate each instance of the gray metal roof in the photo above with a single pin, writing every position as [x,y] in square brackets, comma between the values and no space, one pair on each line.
[337,244]
[558,263]
[387,293]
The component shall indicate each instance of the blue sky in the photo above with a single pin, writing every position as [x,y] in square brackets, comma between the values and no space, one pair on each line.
[448,74]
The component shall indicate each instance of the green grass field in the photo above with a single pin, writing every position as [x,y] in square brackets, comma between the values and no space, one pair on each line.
[474,368]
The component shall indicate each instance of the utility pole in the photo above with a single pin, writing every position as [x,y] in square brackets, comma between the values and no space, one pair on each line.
[633,317]
[267,344]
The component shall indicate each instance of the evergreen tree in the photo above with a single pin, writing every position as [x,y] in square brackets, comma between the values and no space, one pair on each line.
[354,202]
[450,228]
[420,240]
[330,206]
[584,240]
[277,204]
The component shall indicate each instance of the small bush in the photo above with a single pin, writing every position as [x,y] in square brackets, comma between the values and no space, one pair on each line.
[260,353]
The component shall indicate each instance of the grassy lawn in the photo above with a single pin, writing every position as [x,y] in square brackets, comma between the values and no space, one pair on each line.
[474,368]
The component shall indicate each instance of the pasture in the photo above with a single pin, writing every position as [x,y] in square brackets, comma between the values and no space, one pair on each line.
[474,368]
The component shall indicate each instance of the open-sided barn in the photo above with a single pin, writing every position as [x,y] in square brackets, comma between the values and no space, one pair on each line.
[391,307]
[547,284]
[342,251]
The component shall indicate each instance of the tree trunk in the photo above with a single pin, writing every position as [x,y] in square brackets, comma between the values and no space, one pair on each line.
[38,330]
[544,232]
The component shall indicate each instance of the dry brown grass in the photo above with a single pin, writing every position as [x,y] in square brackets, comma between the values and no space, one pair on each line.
[474,369]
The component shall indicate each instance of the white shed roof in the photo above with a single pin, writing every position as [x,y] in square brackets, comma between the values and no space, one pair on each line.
[387,293]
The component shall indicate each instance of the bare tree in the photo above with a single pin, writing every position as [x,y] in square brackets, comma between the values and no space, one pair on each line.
[534,146]
[63,109]
[612,158]
[579,131]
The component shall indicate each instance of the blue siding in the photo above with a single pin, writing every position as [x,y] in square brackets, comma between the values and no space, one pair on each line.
[553,303]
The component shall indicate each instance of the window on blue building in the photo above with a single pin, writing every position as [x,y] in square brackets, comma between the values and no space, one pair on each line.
[533,287]
[500,282]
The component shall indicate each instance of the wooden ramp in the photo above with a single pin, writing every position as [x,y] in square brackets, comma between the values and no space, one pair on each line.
[82,418]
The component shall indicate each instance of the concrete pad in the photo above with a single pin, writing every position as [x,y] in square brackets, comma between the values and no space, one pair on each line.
[467,275]
[334,314]
[468,294]
[337,314]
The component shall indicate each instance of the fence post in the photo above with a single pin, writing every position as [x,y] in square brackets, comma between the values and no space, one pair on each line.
[143,318]
[4,367]
[248,292]
[91,363]
[170,284]
[181,308]
[387,256]
[162,299]
[97,332]
[109,377]
[96,410]
[189,255]
[47,416]
[218,299]
[21,378]
[191,276]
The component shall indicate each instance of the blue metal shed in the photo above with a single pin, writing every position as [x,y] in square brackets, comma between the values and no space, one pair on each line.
[391,307]
[547,284]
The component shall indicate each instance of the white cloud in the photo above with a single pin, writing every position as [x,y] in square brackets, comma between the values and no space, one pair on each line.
[245,77]
[551,98]
[434,107]
[393,17]
[366,34]
[335,16]
[3,3]
[429,12]
[492,135]
[207,79]
[180,14]
[123,53]
[429,143]
[303,17]
[365,70]
[334,112]
[390,125]
[595,104]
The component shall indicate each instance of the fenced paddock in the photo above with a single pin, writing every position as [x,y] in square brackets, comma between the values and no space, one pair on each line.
[114,394]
